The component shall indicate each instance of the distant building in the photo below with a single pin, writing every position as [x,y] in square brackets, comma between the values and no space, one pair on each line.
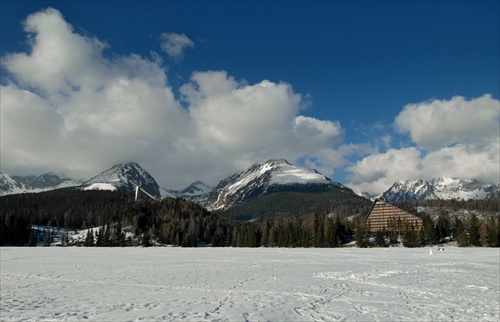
[388,218]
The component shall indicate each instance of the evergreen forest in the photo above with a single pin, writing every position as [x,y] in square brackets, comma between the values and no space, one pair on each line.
[115,219]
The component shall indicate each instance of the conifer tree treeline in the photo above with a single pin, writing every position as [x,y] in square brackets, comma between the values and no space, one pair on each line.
[169,221]
[470,232]
[184,223]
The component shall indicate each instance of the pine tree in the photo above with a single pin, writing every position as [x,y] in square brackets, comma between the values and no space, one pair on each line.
[410,236]
[380,238]
[498,232]
[146,240]
[329,232]
[360,233]
[474,236]
[234,237]
[251,240]
[421,237]
[319,237]
[428,229]
[91,238]
[265,234]
[107,236]
[442,228]
[98,242]
[340,231]
[218,238]
[87,238]
[460,234]
[491,233]
[33,239]
[274,235]
[47,236]
[118,234]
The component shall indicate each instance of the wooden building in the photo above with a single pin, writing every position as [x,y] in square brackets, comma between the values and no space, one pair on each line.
[388,218]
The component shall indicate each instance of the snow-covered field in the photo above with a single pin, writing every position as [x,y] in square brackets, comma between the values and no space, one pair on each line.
[235,284]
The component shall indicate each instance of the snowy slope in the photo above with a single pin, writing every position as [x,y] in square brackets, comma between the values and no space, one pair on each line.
[438,188]
[101,186]
[120,177]
[266,178]
[33,184]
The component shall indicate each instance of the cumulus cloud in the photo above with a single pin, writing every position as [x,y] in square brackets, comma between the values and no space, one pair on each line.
[327,160]
[68,108]
[324,133]
[60,59]
[467,161]
[440,123]
[455,138]
[174,44]
[378,171]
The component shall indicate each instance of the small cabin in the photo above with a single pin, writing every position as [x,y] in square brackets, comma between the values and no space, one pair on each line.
[386,217]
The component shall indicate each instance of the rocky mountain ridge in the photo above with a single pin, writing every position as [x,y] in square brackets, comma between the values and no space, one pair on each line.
[440,188]
[196,191]
[266,178]
[122,177]
[33,184]
[260,179]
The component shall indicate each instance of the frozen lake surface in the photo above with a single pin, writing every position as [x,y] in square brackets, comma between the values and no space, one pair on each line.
[248,284]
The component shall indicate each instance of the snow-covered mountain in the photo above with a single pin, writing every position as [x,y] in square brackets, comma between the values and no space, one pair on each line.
[439,188]
[266,178]
[196,191]
[30,184]
[120,177]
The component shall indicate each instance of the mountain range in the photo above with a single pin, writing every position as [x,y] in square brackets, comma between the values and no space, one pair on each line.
[33,184]
[440,188]
[196,191]
[260,182]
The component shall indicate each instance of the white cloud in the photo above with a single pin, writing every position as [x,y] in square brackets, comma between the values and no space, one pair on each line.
[28,122]
[466,161]
[377,172]
[462,138]
[250,123]
[323,133]
[440,123]
[67,108]
[60,60]
[174,44]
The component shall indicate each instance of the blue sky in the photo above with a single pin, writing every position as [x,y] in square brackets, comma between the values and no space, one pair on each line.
[367,92]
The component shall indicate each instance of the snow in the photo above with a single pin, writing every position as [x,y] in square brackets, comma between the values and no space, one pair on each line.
[282,173]
[119,174]
[11,186]
[234,284]
[438,188]
[165,194]
[101,186]
[293,175]
[244,181]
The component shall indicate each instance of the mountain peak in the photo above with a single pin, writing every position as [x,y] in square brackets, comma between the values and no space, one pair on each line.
[197,192]
[120,177]
[196,188]
[261,179]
